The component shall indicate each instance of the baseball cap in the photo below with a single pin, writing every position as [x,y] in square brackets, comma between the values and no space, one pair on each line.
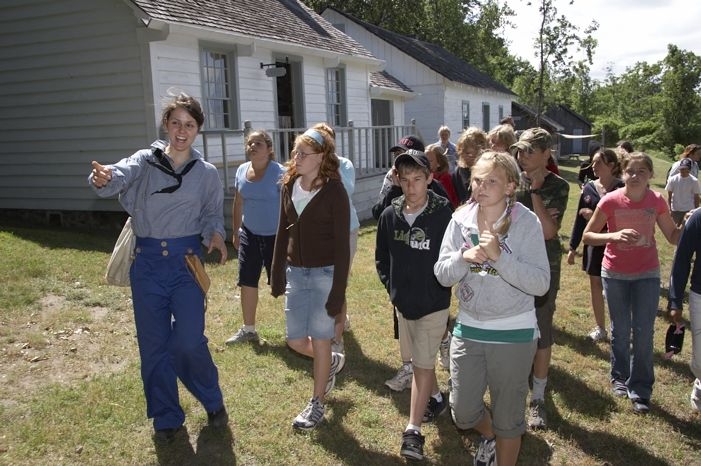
[685,163]
[534,138]
[412,156]
[408,142]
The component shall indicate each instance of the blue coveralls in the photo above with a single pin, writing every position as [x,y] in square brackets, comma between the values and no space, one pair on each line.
[162,287]
[170,216]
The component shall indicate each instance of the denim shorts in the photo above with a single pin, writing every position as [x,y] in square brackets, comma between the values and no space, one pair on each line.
[305,303]
[255,252]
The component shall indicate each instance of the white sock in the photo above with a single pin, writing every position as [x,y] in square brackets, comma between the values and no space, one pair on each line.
[413,427]
[249,328]
[438,397]
[538,392]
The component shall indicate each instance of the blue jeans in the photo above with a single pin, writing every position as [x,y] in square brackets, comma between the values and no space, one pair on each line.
[633,306]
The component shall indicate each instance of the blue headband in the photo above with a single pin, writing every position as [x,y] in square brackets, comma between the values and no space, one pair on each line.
[314,134]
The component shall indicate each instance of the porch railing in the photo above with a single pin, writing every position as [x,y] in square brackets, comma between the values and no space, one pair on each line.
[366,146]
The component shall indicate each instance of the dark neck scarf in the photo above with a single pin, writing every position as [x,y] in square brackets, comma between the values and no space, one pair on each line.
[165,166]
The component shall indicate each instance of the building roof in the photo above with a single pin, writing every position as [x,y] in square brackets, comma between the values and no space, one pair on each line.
[386,80]
[433,56]
[554,125]
[288,21]
[567,109]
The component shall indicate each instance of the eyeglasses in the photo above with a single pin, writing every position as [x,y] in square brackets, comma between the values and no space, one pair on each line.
[301,155]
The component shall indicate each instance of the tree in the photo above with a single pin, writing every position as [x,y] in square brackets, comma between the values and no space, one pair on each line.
[681,103]
[556,37]
[628,106]
[466,28]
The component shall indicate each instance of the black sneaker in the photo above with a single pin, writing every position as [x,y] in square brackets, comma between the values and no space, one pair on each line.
[166,436]
[641,405]
[435,408]
[619,388]
[412,445]
[219,418]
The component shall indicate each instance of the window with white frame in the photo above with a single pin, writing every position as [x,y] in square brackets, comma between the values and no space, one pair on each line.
[218,99]
[336,96]
[465,114]
[485,116]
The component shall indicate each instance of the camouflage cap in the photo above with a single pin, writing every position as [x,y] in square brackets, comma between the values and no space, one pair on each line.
[534,138]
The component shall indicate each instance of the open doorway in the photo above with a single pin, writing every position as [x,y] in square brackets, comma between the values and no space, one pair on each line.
[290,104]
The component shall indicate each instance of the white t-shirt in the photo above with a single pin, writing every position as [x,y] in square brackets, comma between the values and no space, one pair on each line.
[683,190]
[300,197]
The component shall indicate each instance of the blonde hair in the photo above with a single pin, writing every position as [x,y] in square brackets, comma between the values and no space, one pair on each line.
[437,150]
[502,134]
[474,137]
[443,129]
[490,161]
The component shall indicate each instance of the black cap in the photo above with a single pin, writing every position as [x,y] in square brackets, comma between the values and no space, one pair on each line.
[408,142]
[418,158]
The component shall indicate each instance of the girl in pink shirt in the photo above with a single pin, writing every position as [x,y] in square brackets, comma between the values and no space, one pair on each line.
[631,274]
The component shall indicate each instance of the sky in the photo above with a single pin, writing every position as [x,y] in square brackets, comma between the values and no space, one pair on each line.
[629,31]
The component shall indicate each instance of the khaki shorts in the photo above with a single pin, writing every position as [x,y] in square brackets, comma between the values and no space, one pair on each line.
[424,335]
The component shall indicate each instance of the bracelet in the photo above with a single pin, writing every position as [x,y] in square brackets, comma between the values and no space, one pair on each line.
[537,191]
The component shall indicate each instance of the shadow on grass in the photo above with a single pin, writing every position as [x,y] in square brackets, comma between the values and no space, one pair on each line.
[359,368]
[334,436]
[214,447]
[608,447]
[343,443]
[581,344]
[584,346]
[65,238]
[605,446]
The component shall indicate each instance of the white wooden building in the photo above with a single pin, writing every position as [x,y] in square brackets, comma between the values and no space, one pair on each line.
[85,80]
[447,90]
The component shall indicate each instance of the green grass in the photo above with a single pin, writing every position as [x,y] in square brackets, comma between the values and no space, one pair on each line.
[71,391]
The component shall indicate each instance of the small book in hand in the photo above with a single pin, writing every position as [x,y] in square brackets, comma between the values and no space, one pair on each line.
[194,264]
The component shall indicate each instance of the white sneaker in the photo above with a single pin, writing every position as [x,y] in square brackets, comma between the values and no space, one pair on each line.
[695,396]
[338,361]
[402,380]
[598,334]
[486,454]
[444,352]
[310,417]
